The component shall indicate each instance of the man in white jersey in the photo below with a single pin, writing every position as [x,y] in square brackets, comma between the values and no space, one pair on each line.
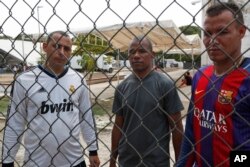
[50,108]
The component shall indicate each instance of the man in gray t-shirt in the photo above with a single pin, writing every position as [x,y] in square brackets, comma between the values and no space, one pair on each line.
[146,106]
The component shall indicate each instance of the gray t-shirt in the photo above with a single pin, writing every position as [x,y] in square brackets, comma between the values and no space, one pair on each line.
[145,105]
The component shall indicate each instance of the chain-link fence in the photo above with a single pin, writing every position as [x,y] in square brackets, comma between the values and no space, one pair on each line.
[100,55]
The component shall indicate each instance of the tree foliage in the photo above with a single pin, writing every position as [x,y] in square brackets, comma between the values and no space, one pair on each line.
[186,30]
[84,50]
[90,44]
[190,30]
[87,47]
[87,62]
[5,37]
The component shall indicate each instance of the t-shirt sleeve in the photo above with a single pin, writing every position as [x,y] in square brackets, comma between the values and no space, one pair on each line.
[117,102]
[15,123]
[88,126]
[172,102]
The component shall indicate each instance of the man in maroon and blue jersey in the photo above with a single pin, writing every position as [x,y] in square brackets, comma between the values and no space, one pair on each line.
[218,119]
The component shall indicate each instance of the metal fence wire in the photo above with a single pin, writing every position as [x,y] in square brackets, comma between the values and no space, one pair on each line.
[178,50]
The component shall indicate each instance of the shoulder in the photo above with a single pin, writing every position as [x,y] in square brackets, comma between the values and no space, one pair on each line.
[29,74]
[27,79]
[127,80]
[74,75]
[159,76]
[74,72]
[161,81]
[246,64]
[204,70]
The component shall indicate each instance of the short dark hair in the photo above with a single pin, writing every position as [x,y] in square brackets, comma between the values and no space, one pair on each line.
[64,34]
[144,38]
[219,7]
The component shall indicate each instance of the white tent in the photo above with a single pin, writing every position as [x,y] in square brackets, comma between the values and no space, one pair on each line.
[165,35]
[23,50]
[194,47]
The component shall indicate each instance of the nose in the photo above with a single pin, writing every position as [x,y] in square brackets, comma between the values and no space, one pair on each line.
[213,39]
[135,56]
[61,49]
[60,52]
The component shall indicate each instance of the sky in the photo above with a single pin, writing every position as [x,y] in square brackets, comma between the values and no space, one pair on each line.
[23,15]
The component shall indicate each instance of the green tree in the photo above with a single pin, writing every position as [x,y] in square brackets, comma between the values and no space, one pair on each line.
[90,44]
[23,36]
[109,59]
[87,46]
[5,37]
[88,64]
[186,30]
[190,30]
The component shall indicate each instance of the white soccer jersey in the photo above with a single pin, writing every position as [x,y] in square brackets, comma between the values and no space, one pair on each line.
[50,112]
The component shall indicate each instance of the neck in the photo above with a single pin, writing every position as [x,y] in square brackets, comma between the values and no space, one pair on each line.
[142,74]
[53,69]
[224,68]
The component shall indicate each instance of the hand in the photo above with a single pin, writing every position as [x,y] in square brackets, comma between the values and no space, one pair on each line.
[112,164]
[94,161]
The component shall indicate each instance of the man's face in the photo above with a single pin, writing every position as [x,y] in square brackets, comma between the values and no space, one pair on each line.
[140,57]
[222,37]
[58,50]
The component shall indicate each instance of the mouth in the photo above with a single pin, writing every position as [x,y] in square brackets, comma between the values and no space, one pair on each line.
[136,62]
[61,60]
[214,49]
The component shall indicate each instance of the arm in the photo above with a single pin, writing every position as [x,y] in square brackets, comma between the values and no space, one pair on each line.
[186,157]
[187,154]
[116,136]
[182,83]
[88,127]
[15,125]
[94,160]
[177,132]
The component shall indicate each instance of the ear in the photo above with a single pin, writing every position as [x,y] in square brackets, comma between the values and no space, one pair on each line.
[153,54]
[45,46]
[242,31]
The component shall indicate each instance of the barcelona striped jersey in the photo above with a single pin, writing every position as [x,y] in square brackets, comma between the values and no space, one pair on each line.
[218,118]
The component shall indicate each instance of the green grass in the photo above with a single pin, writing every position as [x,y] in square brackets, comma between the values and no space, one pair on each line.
[101,107]
[4,102]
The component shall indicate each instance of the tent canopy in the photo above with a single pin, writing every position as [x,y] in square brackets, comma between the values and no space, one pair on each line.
[164,35]
[8,59]
[194,47]
[16,51]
